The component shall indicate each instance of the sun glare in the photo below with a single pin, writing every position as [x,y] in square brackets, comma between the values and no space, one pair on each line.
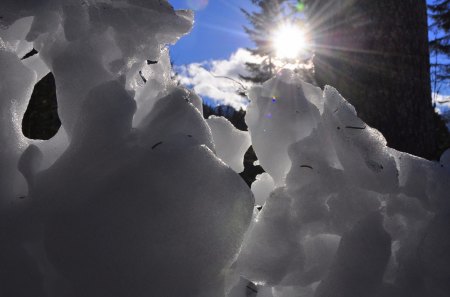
[288,41]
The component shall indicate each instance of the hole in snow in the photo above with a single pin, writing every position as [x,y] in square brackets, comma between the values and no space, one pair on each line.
[30,54]
[41,120]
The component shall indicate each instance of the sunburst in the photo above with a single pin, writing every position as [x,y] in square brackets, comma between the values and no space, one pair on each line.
[289,41]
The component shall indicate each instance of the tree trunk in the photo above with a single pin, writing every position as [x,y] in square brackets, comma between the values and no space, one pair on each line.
[376,54]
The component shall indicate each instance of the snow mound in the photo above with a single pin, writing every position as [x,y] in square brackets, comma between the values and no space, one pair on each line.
[129,197]
[349,215]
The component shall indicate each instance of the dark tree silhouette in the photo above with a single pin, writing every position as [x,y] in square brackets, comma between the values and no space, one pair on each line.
[376,54]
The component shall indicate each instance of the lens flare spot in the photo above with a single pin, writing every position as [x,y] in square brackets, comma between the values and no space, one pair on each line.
[300,6]
[197,4]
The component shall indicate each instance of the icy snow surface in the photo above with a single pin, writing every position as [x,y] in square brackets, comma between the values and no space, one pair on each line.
[138,195]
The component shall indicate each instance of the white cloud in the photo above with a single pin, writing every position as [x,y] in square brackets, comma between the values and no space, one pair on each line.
[214,78]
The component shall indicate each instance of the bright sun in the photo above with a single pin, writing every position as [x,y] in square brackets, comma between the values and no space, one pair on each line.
[289,40]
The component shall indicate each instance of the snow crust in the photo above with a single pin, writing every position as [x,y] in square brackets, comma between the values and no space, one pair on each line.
[138,195]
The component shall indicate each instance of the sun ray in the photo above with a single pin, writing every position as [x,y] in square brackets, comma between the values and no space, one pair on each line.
[223,29]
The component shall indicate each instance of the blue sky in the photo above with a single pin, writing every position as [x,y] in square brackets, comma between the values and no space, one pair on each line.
[214,47]
[217,30]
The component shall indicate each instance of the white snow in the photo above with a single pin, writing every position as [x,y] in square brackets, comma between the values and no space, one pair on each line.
[230,143]
[132,199]
[333,173]
[262,187]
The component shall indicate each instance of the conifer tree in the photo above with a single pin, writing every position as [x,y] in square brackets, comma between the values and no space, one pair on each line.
[270,13]
[439,11]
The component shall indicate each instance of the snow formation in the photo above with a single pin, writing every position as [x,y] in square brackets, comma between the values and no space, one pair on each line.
[350,216]
[138,195]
